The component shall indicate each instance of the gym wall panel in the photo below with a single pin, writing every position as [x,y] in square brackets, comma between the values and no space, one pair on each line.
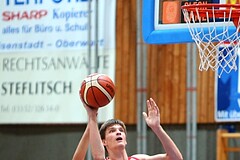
[166,75]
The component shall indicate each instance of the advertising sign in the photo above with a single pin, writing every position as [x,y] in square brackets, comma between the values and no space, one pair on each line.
[227,107]
[44,56]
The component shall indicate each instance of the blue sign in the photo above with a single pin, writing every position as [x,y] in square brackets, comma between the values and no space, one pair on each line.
[227,107]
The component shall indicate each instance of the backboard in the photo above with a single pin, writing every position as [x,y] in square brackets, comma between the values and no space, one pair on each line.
[163,21]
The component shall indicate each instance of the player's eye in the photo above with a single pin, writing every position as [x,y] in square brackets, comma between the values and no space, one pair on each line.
[121,130]
[112,130]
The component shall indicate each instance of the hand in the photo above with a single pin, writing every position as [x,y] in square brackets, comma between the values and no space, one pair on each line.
[153,117]
[90,110]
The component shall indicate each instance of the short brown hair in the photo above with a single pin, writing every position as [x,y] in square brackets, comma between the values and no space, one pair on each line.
[110,123]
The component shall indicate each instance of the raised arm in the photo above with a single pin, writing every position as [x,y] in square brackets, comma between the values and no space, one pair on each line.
[81,150]
[97,148]
[95,142]
[90,137]
[153,121]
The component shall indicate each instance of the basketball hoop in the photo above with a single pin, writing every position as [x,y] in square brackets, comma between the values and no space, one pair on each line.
[210,26]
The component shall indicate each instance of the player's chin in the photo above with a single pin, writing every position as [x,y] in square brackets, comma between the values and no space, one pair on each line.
[121,143]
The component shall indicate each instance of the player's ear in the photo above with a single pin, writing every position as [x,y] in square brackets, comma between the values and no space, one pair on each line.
[104,142]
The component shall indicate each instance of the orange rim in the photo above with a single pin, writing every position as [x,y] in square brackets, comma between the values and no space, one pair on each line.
[214,9]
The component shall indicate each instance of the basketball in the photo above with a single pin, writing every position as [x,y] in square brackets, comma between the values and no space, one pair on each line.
[97,90]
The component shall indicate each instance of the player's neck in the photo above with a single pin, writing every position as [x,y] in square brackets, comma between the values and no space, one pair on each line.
[118,155]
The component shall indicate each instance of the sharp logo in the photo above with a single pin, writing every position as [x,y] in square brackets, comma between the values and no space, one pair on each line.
[24,15]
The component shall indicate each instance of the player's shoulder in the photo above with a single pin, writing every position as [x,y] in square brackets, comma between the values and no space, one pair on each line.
[138,156]
[146,157]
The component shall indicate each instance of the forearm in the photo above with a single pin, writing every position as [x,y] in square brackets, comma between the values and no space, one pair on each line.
[97,147]
[168,144]
[82,147]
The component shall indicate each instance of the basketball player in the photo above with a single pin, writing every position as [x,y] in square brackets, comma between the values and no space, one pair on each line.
[113,134]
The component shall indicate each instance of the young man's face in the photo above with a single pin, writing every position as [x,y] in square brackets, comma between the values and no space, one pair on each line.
[115,136]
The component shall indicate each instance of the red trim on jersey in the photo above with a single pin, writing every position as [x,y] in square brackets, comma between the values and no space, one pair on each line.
[129,158]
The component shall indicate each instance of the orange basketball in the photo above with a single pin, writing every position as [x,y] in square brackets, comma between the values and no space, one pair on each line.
[97,90]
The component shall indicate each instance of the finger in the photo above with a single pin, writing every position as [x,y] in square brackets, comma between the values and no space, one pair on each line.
[148,102]
[151,104]
[148,105]
[155,107]
[81,98]
[144,115]
[84,103]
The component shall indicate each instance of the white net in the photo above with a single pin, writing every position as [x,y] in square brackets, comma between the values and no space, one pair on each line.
[217,46]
